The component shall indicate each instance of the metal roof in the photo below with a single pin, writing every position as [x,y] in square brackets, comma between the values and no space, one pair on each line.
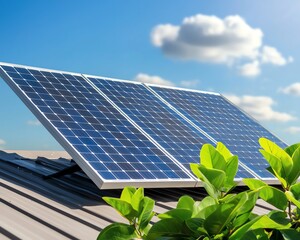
[69,207]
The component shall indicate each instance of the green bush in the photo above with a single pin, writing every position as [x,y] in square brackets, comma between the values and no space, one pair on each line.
[222,214]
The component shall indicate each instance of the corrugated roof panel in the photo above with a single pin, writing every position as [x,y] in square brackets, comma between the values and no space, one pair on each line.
[67,207]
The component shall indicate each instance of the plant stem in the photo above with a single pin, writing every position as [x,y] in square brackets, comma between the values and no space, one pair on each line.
[290,210]
[137,229]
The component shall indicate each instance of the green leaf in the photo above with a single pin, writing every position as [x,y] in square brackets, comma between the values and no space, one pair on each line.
[147,212]
[290,234]
[254,184]
[186,202]
[195,168]
[180,214]
[211,158]
[123,207]
[270,194]
[136,201]
[291,149]
[224,213]
[240,232]
[291,197]
[240,220]
[117,231]
[276,165]
[199,206]
[259,222]
[279,217]
[295,172]
[206,211]
[274,162]
[244,202]
[267,222]
[196,225]
[274,196]
[257,234]
[227,198]
[295,189]
[249,204]
[278,152]
[231,168]
[215,177]
[127,194]
[217,220]
[166,227]
[224,151]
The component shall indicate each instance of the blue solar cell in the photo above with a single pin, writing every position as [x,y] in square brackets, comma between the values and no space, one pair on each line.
[224,122]
[102,136]
[165,126]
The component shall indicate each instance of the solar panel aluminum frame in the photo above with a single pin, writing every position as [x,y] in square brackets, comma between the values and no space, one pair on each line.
[239,180]
[83,164]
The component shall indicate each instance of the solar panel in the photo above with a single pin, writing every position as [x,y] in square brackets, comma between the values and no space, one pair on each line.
[224,122]
[163,124]
[123,133]
[103,142]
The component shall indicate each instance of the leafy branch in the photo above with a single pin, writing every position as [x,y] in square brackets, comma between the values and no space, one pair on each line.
[222,214]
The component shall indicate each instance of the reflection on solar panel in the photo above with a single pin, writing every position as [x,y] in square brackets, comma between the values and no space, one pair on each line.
[164,125]
[224,122]
[99,138]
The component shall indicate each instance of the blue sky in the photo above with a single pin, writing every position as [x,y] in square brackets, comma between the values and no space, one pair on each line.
[246,50]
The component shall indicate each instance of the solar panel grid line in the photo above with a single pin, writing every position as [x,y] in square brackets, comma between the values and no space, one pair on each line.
[48,125]
[136,125]
[211,118]
[196,126]
[183,181]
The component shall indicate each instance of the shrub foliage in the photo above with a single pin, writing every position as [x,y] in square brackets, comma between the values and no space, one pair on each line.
[222,214]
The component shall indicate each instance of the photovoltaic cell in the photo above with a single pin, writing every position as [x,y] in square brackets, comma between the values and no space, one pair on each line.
[165,126]
[107,144]
[224,122]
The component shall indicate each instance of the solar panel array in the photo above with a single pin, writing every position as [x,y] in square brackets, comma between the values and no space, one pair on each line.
[158,120]
[123,133]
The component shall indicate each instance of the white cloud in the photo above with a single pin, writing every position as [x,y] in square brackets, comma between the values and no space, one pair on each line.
[164,32]
[189,83]
[2,142]
[145,78]
[293,89]
[211,39]
[260,107]
[33,123]
[271,55]
[208,38]
[293,130]
[250,69]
